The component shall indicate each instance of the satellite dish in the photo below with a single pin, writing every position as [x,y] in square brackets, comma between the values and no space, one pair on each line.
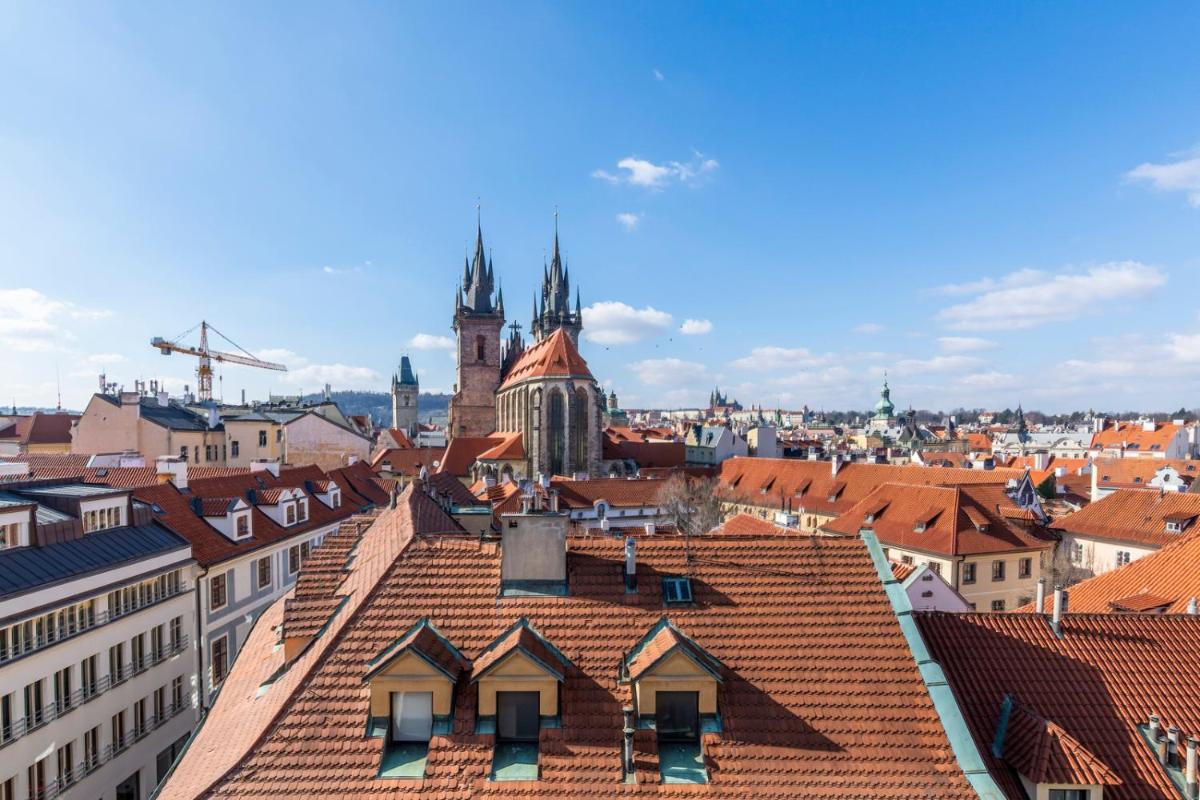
[436,463]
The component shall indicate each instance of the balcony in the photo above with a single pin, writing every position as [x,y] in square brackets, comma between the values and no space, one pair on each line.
[86,767]
[34,644]
[84,694]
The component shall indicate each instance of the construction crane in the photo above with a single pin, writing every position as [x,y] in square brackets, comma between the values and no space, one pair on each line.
[206,356]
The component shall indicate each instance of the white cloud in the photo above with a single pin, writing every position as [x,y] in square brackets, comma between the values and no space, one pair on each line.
[339,376]
[1184,346]
[283,356]
[613,322]
[668,371]
[912,366]
[769,358]
[1028,298]
[1181,175]
[629,220]
[988,380]
[647,174]
[658,76]
[428,341]
[32,322]
[868,327]
[695,327]
[104,359]
[964,344]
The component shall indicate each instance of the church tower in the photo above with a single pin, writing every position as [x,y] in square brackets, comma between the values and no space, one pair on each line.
[553,311]
[405,390]
[477,325]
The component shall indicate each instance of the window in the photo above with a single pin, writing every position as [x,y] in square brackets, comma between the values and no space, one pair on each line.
[678,716]
[243,526]
[1024,567]
[139,718]
[1076,553]
[176,633]
[35,713]
[219,657]
[196,454]
[264,572]
[66,763]
[293,560]
[517,716]
[37,778]
[137,651]
[480,348]
[336,499]
[118,731]
[305,549]
[7,716]
[906,559]
[677,590]
[291,514]
[278,435]
[216,592]
[8,789]
[1122,558]
[412,716]
[262,438]
[1070,794]
[997,570]
[157,652]
[160,704]
[935,567]
[968,573]
[62,690]
[997,605]
[302,509]
[8,536]
[88,676]
[177,693]
[116,663]
[233,448]
[183,452]
[91,748]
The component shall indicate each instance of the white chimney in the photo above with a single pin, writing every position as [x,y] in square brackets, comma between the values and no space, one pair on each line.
[1190,775]
[173,469]
[1191,606]
[630,565]
[1155,728]
[835,463]
[1149,425]
[650,529]
[1060,602]
[1041,595]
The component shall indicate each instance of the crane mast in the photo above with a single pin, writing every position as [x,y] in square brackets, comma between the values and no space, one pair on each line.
[207,356]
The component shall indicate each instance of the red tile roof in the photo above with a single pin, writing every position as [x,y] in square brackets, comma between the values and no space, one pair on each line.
[821,697]
[462,452]
[553,357]
[900,570]
[40,428]
[617,492]
[1119,669]
[510,448]
[1132,515]
[1134,472]
[1131,436]
[952,517]
[524,639]
[660,644]
[408,461]
[741,480]
[1043,752]
[749,525]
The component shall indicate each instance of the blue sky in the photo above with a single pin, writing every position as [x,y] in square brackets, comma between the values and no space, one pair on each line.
[995,203]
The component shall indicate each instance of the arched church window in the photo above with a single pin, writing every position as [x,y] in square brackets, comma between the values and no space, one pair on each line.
[579,429]
[556,430]
[480,347]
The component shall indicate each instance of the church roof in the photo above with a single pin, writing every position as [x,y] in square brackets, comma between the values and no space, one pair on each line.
[553,357]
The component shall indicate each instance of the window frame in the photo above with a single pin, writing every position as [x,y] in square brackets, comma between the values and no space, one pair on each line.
[221,580]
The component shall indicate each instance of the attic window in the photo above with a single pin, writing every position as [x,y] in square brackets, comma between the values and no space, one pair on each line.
[1155,447]
[677,590]
[156,508]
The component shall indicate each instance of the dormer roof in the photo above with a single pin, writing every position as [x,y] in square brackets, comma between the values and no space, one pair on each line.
[427,643]
[1043,752]
[660,643]
[522,638]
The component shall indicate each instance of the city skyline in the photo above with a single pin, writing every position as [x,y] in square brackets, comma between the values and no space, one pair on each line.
[787,203]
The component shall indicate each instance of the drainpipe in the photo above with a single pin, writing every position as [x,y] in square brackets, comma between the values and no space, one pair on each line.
[628,752]
[201,692]
[1041,595]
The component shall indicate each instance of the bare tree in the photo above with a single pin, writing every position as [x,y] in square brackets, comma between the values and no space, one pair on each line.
[691,503]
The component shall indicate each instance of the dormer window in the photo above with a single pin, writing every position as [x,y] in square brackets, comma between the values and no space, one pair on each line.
[519,675]
[243,526]
[335,498]
[302,509]
[411,697]
[291,514]
[675,684]
[229,515]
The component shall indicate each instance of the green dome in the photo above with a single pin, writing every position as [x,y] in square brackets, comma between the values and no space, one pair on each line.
[884,408]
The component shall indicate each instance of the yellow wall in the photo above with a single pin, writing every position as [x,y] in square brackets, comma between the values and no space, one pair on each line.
[245,433]
[518,674]
[410,673]
[677,674]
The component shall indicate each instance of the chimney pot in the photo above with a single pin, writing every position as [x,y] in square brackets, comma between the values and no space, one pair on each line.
[1191,606]
[627,735]
[1059,608]
[1041,594]
[1154,727]
[1191,767]
[630,565]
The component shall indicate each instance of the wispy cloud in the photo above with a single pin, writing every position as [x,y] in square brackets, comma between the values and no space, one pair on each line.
[640,172]
[1180,175]
[339,376]
[33,322]
[613,322]
[428,341]
[629,220]
[944,363]
[964,344]
[329,270]
[868,327]
[1030,298]
[669,371]
[771,358]
[695,327]
[658,76]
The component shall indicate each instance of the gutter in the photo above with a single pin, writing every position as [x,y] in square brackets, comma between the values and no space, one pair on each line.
[966,753]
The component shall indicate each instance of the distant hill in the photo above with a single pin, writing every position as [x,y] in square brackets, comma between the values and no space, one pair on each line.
[379,405]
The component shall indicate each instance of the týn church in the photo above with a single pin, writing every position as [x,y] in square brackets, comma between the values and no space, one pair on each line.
[537,404]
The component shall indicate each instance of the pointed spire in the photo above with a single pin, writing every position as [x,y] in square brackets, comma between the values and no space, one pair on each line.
[500,301]
[578,309]
[466,271]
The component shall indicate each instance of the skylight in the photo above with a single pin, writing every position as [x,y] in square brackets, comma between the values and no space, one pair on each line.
[677,590]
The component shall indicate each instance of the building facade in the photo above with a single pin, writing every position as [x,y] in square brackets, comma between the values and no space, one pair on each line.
[405,390]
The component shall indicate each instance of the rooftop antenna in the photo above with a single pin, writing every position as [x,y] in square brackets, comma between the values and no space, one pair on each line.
[58,382]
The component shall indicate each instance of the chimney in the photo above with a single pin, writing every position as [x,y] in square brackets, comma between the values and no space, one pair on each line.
[835,463]
[1155,728]
[1191,606]
[627,751]
[650,528]
[1060,602]
[630,565]
[1190,775]
[533,552]
[1041,460]
[173,469]
[1041,595]
[1163,753]
[1173,745]
[554,501]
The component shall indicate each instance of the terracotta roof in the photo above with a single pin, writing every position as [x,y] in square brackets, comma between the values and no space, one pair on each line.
[41,428]
[1133,472]
[1169,574]
[50,460]
[522,638]
[1131,436]
[617,492]
[663,640]
[952,515]
[447,484]
[843,714]
[1143,601]
[426,641]
[1120,669]
[462,452]
[408,461]
[1132,515]
[750,525]
[979,442]
[900,570]
[217,506]
[553,357]
[399,439]
[741,479]
[359,486]
[636,446]
[510,448]
[1043,752]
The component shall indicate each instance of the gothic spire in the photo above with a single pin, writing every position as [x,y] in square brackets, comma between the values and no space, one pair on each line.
[481,278]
